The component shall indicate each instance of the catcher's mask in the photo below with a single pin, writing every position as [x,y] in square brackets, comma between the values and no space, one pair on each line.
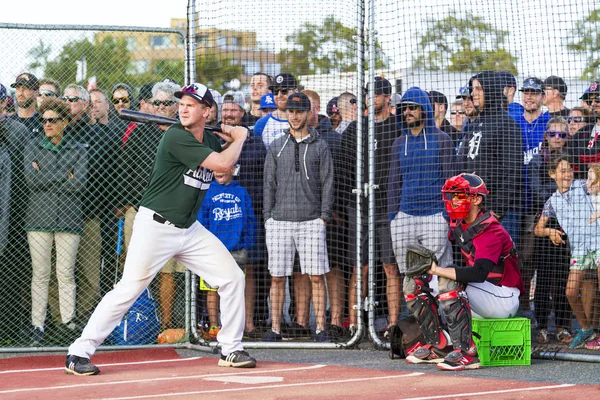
[458,193]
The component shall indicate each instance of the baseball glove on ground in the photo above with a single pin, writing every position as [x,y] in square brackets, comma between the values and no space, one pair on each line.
[418,259]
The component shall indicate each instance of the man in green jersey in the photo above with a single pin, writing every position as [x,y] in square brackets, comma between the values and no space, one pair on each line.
[166,227]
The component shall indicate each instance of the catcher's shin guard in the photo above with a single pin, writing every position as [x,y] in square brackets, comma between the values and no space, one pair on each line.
[423,306]
[458,313]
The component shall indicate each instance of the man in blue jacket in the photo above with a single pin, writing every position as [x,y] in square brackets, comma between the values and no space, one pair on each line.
[422,159]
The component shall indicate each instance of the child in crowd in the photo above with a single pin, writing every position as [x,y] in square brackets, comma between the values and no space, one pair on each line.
[227,213]
[593,186]
[573,208]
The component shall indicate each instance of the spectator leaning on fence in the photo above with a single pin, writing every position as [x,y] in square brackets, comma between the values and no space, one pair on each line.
[26,92]
[556,92]
[298,196]
[56,174]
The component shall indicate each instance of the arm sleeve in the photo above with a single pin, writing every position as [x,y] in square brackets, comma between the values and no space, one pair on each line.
[511,164]
[326,178]
[477,273]
[77,184]
[448,157]
[269,185]
[186,148]
[394,189]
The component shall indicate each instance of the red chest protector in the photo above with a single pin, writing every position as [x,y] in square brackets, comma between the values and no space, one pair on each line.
[506,272]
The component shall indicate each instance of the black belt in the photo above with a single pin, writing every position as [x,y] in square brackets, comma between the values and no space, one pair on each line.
[161,220]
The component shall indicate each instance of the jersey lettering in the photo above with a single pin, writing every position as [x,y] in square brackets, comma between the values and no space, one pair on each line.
[474,145]
[200,178]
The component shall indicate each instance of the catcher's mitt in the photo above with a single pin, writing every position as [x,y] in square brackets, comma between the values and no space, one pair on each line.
[418,259]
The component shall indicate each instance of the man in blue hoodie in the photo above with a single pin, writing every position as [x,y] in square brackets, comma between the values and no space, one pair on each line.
[493,149]
[422,159]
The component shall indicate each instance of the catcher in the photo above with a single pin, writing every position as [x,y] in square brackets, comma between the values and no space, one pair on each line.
[488,287]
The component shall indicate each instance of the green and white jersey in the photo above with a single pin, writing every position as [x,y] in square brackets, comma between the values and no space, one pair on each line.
[178,183]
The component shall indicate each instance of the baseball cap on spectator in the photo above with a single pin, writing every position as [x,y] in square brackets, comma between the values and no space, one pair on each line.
[463,93]
[3,93]
[28,80]
[556,82]
[395,100]
[284,81]
[198,92]
[332,107]
[267,102]
[594,88]
[146,92]
[235,98]
[438,97]
[382,86]
[507,79]
[532,84]
[298,101]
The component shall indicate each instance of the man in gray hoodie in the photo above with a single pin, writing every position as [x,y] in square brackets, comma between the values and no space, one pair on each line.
[298,199]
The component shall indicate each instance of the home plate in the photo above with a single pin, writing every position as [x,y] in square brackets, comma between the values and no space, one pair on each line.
[250,380]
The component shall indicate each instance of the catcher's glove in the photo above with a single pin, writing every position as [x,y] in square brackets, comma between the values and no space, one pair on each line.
[418,260]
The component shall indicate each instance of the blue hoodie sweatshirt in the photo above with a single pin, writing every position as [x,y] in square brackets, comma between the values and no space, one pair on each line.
[420,164]
[227,212]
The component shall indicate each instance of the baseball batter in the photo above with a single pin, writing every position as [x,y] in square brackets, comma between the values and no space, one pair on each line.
[166,227]
[488,287]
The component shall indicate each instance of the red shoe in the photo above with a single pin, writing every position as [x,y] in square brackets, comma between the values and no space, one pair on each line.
[426,354]
[459,360]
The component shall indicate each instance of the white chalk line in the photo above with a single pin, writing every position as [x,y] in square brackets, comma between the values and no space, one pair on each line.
[526,389]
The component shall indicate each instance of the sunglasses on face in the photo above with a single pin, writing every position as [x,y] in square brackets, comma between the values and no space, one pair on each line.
[282,92]
[410,107]
[590,101]
[120,100]
[559,134]
[575,119]
[71,99]
[51,121]
[457,112]
[47,93]
[166,103]
[456,196]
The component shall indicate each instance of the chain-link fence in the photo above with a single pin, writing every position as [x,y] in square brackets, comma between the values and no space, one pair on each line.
[376,194]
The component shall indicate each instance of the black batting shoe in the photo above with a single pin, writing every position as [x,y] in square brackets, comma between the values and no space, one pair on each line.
[80,366]
[237,359]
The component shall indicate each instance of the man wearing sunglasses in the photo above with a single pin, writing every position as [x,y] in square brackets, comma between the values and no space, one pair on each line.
[422,158]
[166,227]
[585,144]
[26,92]
[493,146]
[49,88]
[122,97]
[271,126]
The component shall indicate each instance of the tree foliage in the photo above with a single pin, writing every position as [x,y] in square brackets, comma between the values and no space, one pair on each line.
[323,49]
[216,71]
[466,44]
[584,39]
[39,54]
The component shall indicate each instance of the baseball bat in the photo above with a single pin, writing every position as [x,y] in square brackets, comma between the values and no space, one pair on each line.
[147,118]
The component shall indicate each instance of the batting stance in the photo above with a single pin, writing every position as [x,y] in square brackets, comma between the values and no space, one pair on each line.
[488,287]
[166,227]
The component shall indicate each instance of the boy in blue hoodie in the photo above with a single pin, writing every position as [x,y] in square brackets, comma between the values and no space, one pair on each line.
[227,212]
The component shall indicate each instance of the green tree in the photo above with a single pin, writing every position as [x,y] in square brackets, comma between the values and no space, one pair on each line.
[466,44]
[215,71]
[39,55]
[323,49]
[584,39]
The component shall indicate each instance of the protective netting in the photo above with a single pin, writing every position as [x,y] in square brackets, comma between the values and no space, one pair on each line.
[430,120]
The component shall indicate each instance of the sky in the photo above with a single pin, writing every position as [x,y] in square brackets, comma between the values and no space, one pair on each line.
[537,29]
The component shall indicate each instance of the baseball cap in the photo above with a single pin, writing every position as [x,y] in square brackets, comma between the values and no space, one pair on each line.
[284,81]
[267,102]
[332,107]
[532,84]
[3,93]
[556,82]
[438,97]
[593,88]
[463,92]
[26,79]
[198,92]
[235,98]
[382,86]
[298,101]
[146,92]
[395,100]
[507,79]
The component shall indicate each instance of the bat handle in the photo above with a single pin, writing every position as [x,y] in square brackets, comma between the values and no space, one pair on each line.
[120,236]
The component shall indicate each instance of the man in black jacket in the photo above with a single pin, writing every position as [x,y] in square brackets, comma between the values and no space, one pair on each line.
[493,149]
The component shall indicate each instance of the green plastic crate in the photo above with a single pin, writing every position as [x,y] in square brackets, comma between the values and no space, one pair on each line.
[503,342]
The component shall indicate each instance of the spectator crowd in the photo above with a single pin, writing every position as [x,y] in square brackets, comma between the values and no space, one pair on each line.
[289,211]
